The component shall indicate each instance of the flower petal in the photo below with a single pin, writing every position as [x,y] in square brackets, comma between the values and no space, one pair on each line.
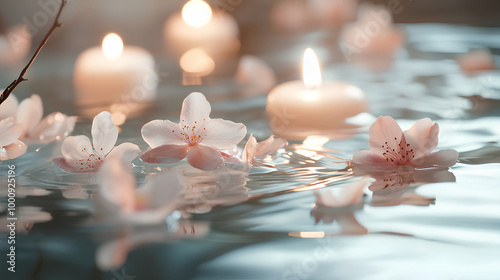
[443,158]
[75,148]
[204,158]
[195,108]
[13,150]
[104,133]
[70,167]
[9,107]
[423,137]
[166,154]
[9,131]
[384,129]
[248,152]
[222,134]
[368,158]
[117,186]
[157,133]
[53,127]
[126,152]
[30,113]
[269,147]
[113,254]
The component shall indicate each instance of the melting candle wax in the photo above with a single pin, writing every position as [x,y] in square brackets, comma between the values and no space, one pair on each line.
[298,109]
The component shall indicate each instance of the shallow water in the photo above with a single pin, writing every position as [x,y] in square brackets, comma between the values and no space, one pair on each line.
[436,224]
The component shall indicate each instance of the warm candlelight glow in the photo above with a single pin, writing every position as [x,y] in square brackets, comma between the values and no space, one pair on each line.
[197,61]
[112,46]
[311,70]
[196,13]
[308,234]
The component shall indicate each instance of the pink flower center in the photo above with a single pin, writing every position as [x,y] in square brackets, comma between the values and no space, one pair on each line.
[192,134]
[92,161]
[400,155]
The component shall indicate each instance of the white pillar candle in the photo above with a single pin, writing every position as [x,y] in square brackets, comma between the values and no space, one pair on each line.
[14,45]
[197,26]
[298,109]
[114,74]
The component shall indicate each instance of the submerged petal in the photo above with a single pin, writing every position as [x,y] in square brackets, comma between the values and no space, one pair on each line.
[104,133]
[157,133]
[423,137]
[204,158]
[162,191]
[195,108]
[117,186]
[166,154]
[222,134]
[30,113]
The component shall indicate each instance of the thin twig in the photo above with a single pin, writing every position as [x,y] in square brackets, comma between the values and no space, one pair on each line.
[21,78]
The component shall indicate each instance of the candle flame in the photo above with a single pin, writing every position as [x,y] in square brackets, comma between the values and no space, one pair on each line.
[112,46]
[311,70]
[196,13]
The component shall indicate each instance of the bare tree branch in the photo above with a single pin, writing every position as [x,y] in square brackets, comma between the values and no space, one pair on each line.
[21,78]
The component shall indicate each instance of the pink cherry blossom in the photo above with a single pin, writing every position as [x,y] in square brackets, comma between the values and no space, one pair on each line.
[391,147]
[80,156]
[10,145]
[119,197]
[258,151]
[197,137]
[29,114]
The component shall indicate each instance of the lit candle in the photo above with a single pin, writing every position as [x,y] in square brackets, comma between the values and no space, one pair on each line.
[14,45]
[113,74]
[298,109]
[197,26]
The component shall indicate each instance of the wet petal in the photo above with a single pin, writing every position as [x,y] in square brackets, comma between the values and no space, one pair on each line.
[204,158]
[113,254]
[222,134]
[165,154]
[384,129]
[9,131]
[75,148]
[269,147]
[194,108]
[53,127]
[249,151]
[125,152]
[157,133]
[13,150]
[30,113]
[443,158]
[423,137]
[104,133]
